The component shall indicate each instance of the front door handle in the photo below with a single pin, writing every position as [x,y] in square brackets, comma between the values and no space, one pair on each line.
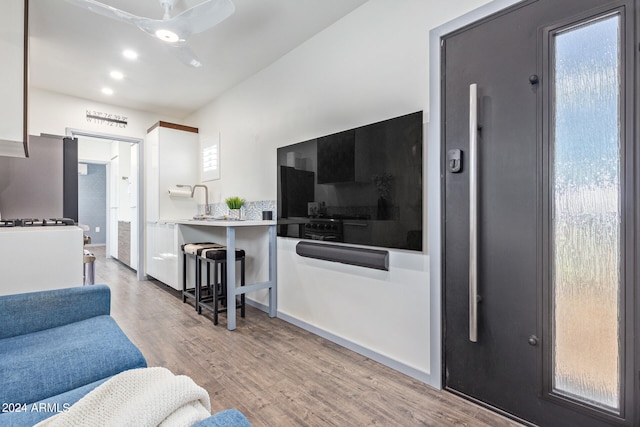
[473,212]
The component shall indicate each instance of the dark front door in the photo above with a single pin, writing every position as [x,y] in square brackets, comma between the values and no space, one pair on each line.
[539,207]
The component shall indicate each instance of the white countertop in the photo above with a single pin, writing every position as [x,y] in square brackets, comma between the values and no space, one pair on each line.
[39,228]
[222,223]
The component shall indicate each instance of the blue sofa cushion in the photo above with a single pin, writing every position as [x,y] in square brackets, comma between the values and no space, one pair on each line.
[47,363]
[36,311]
[31,414]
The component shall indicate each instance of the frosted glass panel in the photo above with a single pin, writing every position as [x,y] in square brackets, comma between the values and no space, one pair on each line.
[586,213]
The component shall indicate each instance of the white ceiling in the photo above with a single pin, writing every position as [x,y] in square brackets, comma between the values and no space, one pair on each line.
[72,50]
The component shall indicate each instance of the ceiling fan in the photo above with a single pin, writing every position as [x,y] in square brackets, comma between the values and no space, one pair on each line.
[174,31]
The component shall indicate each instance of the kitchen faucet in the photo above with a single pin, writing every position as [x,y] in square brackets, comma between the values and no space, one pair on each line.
[207,208]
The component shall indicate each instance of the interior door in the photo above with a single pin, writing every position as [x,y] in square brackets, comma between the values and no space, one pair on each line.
[538,195]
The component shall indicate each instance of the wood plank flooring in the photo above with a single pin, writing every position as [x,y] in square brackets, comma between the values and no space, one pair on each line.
[275,373]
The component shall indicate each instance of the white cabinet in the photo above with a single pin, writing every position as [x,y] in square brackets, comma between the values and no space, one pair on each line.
[56,264]
[163,253]
[171,158]
[13,78]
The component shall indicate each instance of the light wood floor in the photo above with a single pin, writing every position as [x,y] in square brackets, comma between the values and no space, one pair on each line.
[275,373]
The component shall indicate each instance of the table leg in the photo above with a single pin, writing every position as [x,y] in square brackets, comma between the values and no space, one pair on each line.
[231,278]
[273,294]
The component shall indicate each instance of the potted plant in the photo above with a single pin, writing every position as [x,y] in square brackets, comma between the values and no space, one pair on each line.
[234,204]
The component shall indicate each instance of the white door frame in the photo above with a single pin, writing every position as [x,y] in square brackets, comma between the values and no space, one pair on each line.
[73,133]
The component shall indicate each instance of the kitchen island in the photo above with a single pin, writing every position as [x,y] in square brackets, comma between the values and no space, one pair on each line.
[40,258]
[190,231]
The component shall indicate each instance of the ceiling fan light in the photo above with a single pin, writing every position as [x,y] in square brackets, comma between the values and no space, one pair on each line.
[130,54]
[167,36]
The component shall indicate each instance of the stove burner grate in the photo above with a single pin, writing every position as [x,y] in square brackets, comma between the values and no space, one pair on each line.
[35,222]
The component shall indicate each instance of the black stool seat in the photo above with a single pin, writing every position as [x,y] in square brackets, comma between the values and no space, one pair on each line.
[220,254]
[215,297]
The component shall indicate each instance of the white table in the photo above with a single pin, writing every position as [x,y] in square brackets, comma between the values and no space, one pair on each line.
[230,229]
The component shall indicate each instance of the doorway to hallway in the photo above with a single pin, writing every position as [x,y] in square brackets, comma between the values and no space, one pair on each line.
[109,194]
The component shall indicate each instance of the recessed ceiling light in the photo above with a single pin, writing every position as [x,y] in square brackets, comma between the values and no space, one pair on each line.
[130,54]
[107,91]
[167,36]
[117,75]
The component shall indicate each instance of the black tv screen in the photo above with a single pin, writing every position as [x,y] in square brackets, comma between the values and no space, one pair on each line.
[361,186]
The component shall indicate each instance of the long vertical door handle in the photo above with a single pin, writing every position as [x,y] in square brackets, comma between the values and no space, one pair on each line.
[473,212]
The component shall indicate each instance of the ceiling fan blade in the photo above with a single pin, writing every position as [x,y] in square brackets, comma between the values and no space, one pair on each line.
[202,17]
[184,54]
[145,24]
[194,20]
[106,10]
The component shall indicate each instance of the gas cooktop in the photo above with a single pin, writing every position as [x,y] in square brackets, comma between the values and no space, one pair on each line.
[36,222]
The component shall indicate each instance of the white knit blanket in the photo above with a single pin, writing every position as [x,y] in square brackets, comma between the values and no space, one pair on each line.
[138,397]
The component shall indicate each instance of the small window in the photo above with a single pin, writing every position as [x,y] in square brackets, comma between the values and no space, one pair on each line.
[211,159]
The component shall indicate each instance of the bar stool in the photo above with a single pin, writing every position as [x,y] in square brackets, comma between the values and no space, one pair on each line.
[217,290]
[193,250]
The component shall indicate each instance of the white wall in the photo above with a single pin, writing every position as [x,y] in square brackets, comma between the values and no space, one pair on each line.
[53,113]
[370,66]
[94,151]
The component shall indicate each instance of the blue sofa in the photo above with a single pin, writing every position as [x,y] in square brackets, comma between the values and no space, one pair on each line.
[56,346]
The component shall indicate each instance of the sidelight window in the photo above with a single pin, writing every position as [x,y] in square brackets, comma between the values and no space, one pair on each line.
[586,212]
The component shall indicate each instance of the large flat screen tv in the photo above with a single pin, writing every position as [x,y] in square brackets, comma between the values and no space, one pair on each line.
[361,186]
